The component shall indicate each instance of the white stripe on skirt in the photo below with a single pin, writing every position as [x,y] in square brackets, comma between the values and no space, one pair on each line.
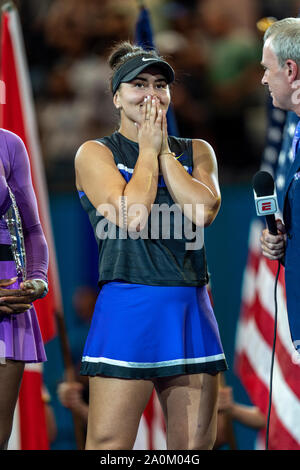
[145,365]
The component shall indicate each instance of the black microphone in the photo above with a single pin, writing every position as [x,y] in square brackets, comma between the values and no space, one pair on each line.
[265,198]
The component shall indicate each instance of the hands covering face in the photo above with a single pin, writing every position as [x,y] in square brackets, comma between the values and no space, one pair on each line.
[153,132]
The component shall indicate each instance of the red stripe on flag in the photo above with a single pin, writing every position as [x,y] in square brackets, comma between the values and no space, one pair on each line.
[149,417]
[279,437]
[252,383]
[265,324]
[11,111]
[32,413]
[253,260]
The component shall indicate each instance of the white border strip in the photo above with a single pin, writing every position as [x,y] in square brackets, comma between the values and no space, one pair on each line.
[147,365]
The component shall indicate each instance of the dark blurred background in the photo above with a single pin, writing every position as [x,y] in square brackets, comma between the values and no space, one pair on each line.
[215,48]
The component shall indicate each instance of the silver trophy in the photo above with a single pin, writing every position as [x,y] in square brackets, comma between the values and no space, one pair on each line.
[14,225]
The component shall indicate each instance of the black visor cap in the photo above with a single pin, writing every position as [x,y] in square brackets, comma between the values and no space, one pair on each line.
[133,67]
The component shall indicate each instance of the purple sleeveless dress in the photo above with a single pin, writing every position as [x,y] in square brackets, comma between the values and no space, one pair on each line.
[20,336]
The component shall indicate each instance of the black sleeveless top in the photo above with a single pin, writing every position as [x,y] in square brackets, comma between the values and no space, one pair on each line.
[164,252]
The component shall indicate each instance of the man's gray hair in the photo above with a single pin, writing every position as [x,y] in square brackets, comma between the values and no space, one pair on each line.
[285,39]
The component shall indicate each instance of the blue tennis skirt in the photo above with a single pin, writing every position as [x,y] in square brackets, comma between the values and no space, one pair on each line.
[142,332]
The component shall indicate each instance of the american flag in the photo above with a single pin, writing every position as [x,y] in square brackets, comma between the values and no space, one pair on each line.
[255,332]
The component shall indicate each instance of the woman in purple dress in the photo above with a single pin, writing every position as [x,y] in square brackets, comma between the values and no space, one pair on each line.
[23,274]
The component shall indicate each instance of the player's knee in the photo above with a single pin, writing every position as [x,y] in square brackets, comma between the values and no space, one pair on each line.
[204,441]
[108,441]
[107,444]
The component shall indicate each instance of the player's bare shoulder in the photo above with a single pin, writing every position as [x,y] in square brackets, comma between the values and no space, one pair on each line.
[88,159]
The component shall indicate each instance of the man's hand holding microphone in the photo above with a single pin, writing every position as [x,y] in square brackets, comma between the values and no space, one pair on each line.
[273,246]
[273,238]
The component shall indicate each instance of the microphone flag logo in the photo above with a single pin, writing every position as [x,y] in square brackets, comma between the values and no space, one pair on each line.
[266,205]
